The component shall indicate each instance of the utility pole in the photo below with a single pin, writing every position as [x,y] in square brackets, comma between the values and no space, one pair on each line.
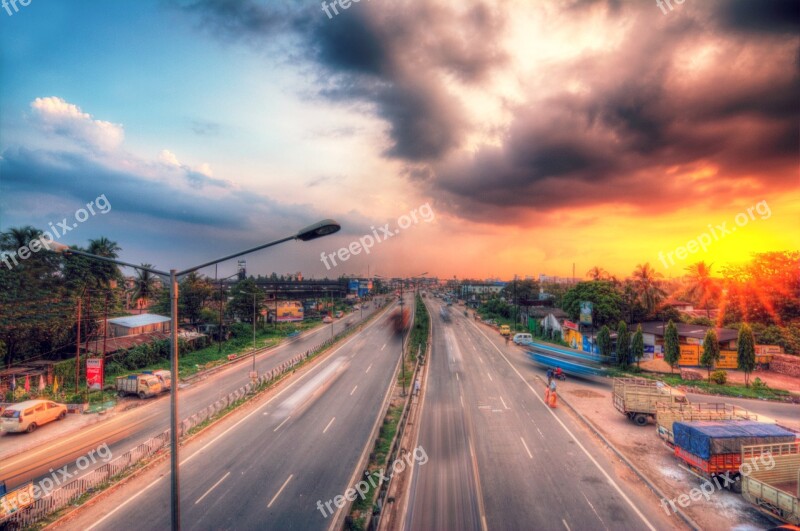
[78,347]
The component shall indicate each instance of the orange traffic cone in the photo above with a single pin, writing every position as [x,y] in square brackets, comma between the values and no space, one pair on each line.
[552,399]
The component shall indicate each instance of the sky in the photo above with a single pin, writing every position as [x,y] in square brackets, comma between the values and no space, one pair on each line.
[464,138]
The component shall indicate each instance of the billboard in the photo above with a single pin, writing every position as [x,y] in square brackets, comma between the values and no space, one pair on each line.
[289,311]
[586,313]
[94,374]
[352,285]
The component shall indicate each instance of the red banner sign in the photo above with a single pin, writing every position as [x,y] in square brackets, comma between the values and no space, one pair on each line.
[94,373]
[571,325]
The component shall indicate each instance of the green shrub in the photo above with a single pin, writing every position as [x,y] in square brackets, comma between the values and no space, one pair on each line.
[759,384]
[719,377]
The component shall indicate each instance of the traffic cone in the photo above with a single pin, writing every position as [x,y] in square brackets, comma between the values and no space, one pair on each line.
[553,399]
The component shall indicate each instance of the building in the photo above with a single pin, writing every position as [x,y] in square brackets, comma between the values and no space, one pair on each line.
[480,290]
[137,324]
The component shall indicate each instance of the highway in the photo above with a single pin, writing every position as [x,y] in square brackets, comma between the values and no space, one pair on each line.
[125,430]
[499,458]
[268,465]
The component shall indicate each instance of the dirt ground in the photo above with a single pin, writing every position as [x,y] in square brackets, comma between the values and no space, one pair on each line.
[643,447]
[772,379]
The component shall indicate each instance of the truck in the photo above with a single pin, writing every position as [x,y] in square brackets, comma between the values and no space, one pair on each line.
[638,398]
[505,330]
[774,490]
[399,320]
[165,377]
[141,385]
[669,413]
[713,448]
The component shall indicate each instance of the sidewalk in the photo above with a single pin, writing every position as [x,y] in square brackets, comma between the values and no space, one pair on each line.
[654,459]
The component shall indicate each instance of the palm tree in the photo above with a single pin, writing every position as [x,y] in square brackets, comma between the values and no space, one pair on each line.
[702,285]
[646,280]
[597,273]
[104,273]
[146,285]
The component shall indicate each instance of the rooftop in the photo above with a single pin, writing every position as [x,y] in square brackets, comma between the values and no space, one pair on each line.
[689,330]
[134,321]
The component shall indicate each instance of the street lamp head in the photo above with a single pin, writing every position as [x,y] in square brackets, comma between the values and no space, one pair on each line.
[318,230]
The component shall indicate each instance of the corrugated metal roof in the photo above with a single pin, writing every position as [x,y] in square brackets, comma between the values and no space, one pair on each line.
[135,321]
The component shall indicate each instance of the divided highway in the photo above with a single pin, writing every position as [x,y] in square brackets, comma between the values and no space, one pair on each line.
[128,429]
[499,458]
[271,467]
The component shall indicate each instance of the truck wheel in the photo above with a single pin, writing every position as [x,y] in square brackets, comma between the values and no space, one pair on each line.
[640,419]
[31,427]
[121,394]
[736,486]
[142,395]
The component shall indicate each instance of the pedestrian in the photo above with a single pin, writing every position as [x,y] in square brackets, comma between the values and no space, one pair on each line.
[549,376]
[551,398]
[416,387]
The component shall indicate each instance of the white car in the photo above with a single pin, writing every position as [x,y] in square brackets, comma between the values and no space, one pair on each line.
[520,339]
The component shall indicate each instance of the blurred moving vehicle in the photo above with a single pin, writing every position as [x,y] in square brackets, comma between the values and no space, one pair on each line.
[327,319]
[505,330]
[29,415]
[339,314]
[400,319]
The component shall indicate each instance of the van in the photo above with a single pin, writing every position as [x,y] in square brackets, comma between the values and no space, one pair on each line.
[505,330]
[520,339]
[29,415]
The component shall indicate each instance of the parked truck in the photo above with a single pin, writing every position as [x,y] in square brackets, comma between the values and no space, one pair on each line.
[141,385]
[164,376]
[669,413]
[775,490]
[713,448]
[637,398]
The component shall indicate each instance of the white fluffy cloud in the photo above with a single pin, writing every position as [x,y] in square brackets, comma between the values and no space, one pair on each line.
[168,157]
[59,117]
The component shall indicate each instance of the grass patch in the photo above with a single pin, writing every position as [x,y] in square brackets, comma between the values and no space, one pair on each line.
[732,390]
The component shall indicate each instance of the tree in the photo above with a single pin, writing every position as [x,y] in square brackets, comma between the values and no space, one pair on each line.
[146,285]
[702,288]
[637,345]
[672,349]
[604,343]
[623,344]
[746,352]
[604,298]
[646,280]
[710,353]
[597,273]
[241,303]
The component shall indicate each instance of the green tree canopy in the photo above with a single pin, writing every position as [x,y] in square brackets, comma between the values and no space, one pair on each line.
[605,299]
[672,349]
[710,353]
[746,352]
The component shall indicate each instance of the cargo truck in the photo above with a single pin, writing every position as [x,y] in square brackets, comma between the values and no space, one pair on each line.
[713,448]
[637,398]
[141,385]
[669,413]
[775,490]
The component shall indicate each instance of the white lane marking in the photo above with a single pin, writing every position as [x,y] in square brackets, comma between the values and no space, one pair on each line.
[384,346]
[329,425]
[540,432]
[368,368]
[212,488]
[279,491]
[581,446]
[282,423]
[490,376]
[461,397]
[565,524]
[594,510]
[504,403]
[457,378]
[221,435]
[526,447]
[353,391]
[480,359]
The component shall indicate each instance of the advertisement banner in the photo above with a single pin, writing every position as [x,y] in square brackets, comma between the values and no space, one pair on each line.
[586,313]
[570,325]
[290,311]
[94,374]
[690,355]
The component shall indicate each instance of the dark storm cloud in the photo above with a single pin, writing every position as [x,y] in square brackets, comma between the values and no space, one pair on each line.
[73,176]
[764,16]
[393,55]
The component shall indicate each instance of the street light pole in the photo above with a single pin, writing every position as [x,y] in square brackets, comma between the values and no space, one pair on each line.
[312,232]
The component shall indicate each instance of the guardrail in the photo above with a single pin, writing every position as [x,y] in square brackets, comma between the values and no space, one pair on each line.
[69,492]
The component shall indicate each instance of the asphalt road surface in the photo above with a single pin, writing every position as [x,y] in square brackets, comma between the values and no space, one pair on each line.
[125,430]
[272,466]
[499,458]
